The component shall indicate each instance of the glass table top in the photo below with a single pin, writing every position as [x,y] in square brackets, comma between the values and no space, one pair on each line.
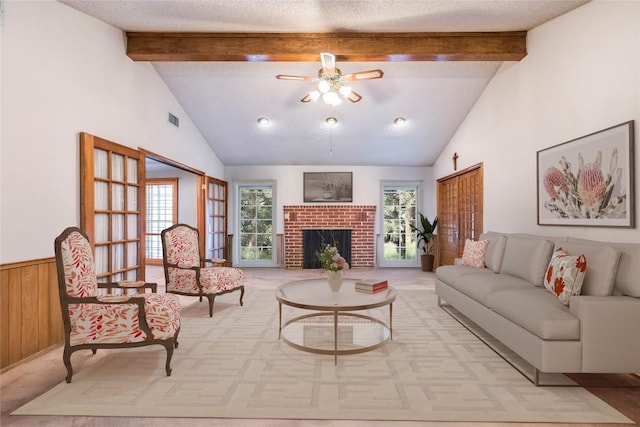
[315,294]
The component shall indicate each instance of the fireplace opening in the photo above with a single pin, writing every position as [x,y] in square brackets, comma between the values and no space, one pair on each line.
[312,240]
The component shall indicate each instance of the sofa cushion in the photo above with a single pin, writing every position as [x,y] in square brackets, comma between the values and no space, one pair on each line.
[602,264]
[449,274]
[479,286]
[565,275]
[526,258]
[473,253]
[627,280]
[538,311]
[495,250]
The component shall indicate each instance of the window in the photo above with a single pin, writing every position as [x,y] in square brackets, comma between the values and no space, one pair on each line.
[399,201]
[256,219]
[162,212]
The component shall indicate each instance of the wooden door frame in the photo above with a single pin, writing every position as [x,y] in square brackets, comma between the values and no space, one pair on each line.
[200,182]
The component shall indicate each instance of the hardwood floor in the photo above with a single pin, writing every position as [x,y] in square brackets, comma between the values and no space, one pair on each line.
[34,377]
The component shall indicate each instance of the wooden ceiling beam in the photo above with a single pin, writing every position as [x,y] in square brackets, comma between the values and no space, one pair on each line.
[306,47]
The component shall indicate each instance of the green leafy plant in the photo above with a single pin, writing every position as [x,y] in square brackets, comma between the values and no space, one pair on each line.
[424,232]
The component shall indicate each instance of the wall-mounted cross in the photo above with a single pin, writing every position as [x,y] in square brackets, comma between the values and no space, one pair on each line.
[455,161]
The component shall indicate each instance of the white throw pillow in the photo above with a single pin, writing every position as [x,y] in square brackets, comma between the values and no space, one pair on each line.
[565,275]
[473,254]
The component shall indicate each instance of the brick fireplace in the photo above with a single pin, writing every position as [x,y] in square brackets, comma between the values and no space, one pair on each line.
[360,219]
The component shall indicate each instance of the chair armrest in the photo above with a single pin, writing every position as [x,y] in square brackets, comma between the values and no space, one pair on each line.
[610,332]
[108,300]
[182,267]
[217,262]
[139,285]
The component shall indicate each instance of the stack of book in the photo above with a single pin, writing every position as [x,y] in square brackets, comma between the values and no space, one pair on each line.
[371,286]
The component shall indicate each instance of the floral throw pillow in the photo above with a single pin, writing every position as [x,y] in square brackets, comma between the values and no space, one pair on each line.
[565,275]
[473,254]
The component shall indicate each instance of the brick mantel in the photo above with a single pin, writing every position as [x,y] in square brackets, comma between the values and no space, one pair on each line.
[359,218]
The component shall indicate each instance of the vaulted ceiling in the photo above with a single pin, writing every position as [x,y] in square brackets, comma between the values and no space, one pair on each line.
[220,58]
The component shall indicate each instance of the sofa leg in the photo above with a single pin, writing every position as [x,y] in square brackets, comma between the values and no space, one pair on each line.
[536,377]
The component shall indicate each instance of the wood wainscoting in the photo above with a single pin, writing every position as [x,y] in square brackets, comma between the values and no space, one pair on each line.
[30,319]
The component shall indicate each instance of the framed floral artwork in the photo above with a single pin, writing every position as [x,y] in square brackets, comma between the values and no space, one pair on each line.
[589,181]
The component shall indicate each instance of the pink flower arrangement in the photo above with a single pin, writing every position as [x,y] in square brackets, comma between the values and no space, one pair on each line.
[590,192]
[331,259]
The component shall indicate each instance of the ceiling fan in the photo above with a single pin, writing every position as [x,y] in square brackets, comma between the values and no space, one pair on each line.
[332,83]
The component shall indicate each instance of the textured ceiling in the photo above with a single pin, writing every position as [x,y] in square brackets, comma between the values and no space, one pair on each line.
[225,99]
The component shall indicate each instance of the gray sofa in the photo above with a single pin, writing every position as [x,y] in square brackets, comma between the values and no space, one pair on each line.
[599,332]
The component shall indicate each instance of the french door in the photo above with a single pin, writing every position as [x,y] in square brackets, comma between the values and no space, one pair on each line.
[459,212]
[112,207]
[399,212]
[217,193]
[256,233]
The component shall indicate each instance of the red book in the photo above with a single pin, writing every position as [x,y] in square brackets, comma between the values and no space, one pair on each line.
[371,286]
[371,291]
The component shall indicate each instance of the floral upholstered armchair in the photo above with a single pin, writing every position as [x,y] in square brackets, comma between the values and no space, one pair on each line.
[185,271]
[92,320]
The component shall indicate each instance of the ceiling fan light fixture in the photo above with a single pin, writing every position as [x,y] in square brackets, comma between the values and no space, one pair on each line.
[331,82]
[331,98]
[345,91]
[324,86]
[263,121]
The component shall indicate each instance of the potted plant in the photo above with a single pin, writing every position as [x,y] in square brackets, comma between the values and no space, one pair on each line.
[424,233]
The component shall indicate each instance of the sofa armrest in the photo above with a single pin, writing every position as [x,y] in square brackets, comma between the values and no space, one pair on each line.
[610,332]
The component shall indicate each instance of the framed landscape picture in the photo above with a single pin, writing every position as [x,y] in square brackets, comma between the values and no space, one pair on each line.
[589,181]
[328,187]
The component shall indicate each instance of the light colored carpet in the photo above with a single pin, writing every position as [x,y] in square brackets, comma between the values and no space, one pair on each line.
[234,366]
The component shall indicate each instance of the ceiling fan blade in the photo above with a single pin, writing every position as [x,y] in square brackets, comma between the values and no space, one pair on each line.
[363,75]
[328,63]
[299,78]
[354,97]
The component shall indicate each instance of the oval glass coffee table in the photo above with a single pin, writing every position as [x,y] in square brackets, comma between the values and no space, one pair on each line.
[333,327]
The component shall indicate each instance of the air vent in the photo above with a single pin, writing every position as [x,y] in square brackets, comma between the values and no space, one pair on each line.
[174,120]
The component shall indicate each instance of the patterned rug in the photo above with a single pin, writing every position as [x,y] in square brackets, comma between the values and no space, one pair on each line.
[234,366]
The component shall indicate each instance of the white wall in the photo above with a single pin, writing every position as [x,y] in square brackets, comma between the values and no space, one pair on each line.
[366,184]
[581,75]
[64,72]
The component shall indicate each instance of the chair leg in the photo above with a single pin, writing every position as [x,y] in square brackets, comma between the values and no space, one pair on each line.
[175,338]
[241,295]
[168,345]
[211,298]
[66,358]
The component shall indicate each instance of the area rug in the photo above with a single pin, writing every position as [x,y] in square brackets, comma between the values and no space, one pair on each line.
[234,366]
